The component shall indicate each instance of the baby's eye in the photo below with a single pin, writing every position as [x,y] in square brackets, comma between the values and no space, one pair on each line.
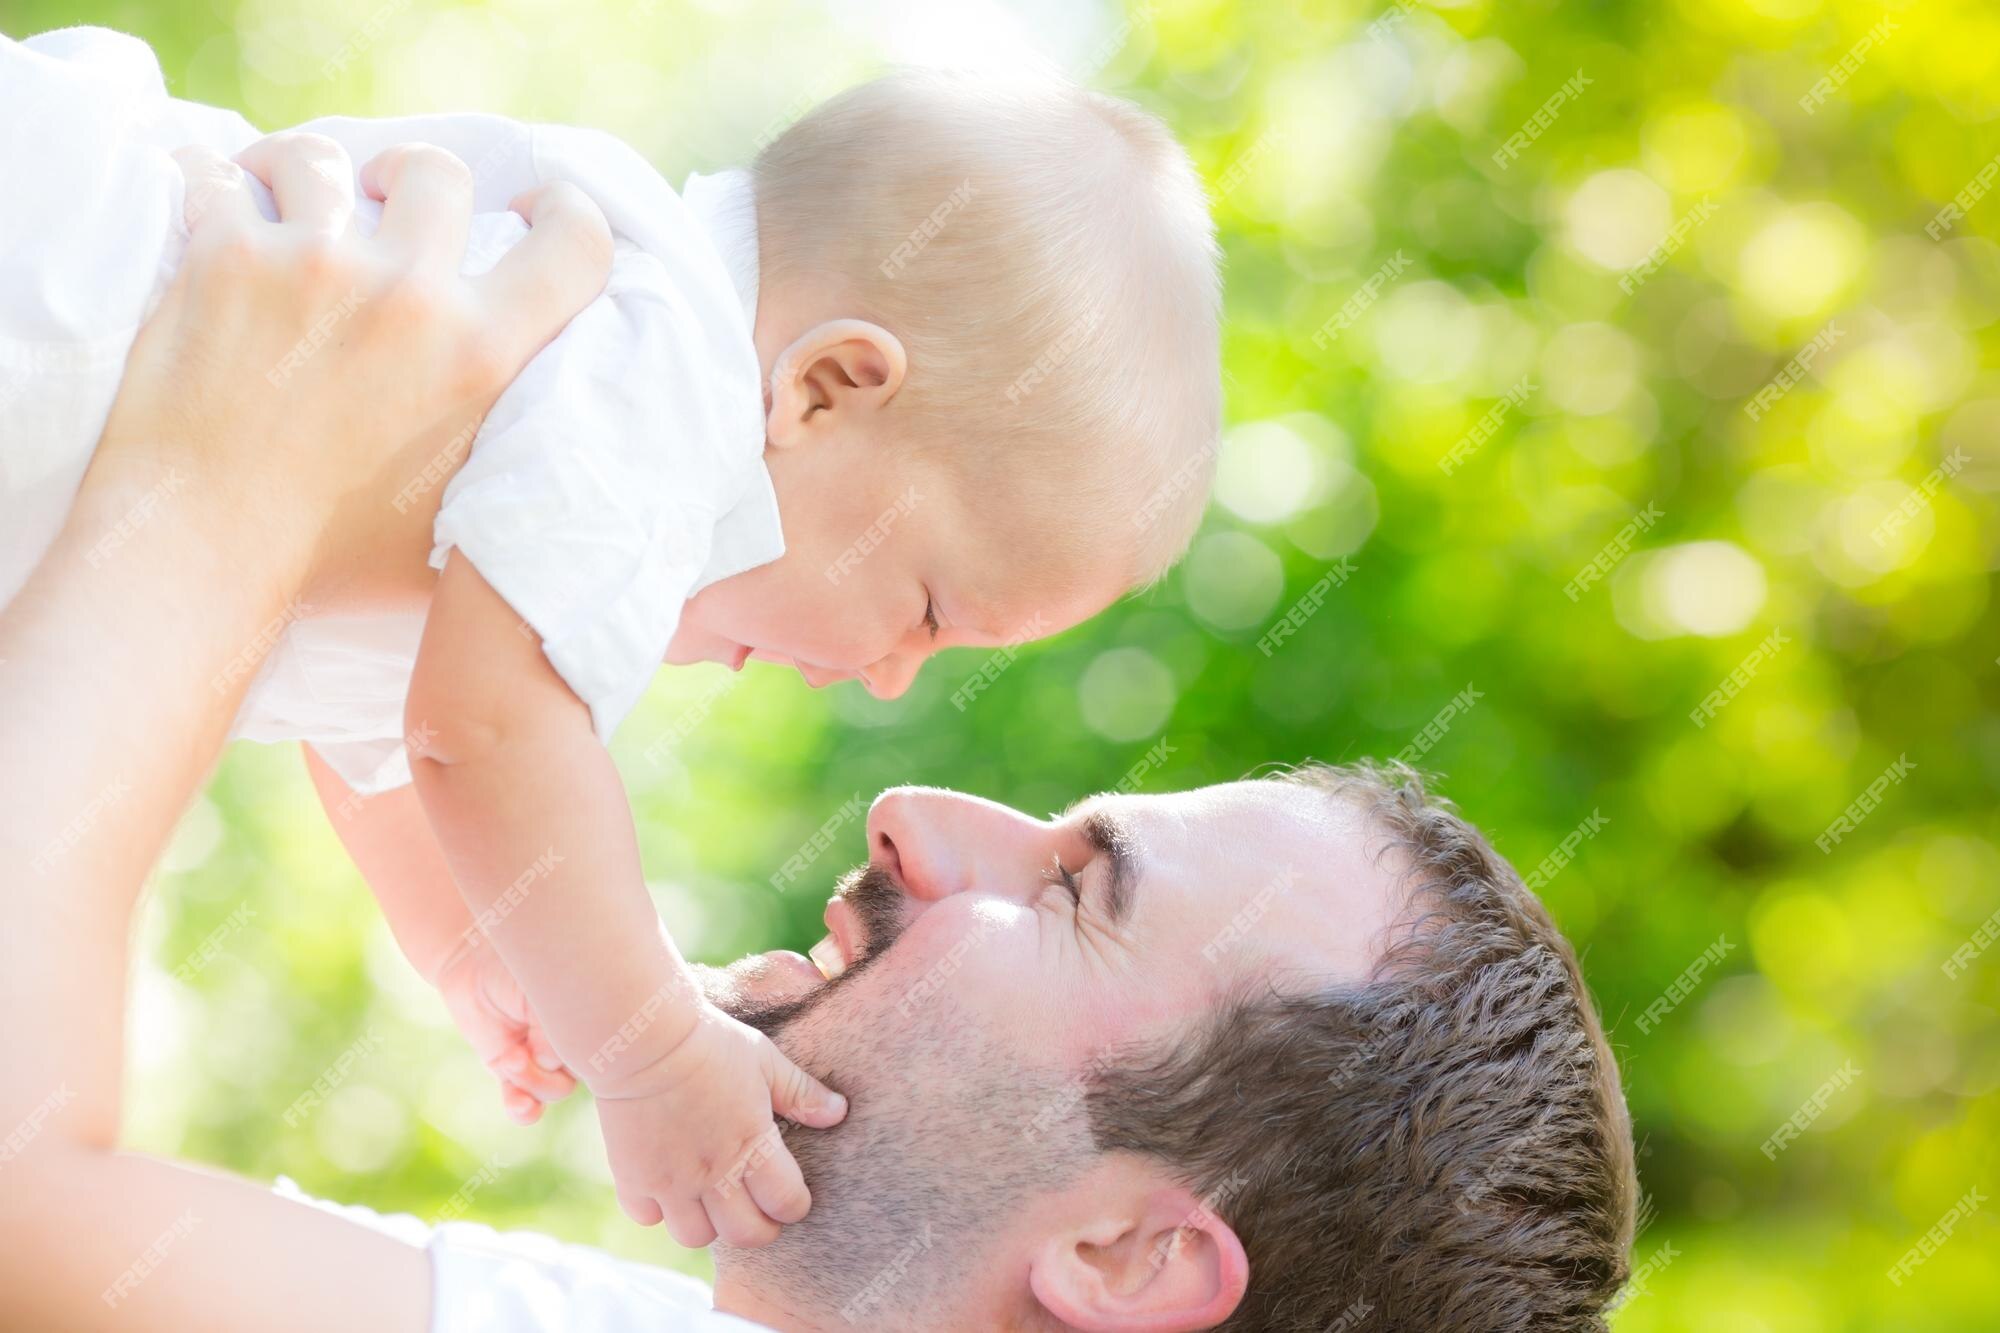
[930,617]
[1065,877]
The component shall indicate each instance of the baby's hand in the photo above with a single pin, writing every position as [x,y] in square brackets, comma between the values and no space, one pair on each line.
[692,1140]
[491,1010]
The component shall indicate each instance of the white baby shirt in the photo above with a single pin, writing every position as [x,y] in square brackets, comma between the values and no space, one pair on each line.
[619,474]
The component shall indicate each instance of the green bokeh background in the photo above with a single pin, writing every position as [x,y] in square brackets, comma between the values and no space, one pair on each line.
[1339,139]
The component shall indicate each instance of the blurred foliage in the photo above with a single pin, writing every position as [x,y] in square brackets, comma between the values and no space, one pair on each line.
[1352,152]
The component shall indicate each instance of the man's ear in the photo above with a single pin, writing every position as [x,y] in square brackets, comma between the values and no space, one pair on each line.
[1157,1263]
[829,372]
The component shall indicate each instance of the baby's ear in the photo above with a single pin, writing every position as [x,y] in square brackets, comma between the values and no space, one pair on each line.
[833,373]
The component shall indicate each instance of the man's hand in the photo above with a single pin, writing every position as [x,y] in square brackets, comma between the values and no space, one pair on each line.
[262,465]
[300,361]
[693,1141]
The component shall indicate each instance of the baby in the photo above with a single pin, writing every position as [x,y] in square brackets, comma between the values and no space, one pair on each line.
[939,369]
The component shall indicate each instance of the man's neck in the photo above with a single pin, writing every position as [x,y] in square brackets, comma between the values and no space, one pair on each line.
[737,1296]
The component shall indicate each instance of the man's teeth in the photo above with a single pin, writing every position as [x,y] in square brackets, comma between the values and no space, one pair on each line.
[826,957]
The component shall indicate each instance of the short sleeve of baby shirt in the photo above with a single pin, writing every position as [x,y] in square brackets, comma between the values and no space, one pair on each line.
[593,489]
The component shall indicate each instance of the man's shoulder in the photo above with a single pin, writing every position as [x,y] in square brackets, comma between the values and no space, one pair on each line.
[526,1282]
[488,1281]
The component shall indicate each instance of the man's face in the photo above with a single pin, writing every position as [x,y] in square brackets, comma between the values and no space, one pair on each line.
[979,988]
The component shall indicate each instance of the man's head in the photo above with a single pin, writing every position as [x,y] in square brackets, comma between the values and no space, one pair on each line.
[1307,1050]
[988,317]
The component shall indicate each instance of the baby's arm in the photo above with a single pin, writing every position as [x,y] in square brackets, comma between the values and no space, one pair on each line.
[531,815]
[531,818]
[391,842]
[395,851]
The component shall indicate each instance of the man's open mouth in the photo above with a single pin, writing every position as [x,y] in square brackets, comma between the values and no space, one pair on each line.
[826,956]
[847,937]
[864,917]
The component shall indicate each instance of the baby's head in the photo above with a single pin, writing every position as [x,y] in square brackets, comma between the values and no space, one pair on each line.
[987,314]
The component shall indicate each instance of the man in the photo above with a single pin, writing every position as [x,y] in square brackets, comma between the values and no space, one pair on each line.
[1286,1053]
[1299,1049]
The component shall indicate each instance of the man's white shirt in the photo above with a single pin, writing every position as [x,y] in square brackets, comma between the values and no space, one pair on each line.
[487,1281]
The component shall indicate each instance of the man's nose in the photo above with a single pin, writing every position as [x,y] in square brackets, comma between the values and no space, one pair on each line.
[935,843]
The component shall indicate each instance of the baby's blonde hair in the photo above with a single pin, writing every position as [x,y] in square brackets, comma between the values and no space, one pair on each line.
[1046,256]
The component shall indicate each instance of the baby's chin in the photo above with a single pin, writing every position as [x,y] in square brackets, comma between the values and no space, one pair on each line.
[693,643]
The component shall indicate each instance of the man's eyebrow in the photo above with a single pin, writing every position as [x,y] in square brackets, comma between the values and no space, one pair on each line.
[1107,834]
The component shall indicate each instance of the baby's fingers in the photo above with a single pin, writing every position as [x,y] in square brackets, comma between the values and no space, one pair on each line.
[539,1047]
[772,1179]
[521,1107]
[797,1095]
[736,1217]
[645,1210]
[549,1085]
[762,1189]
[687,1221]
[514,1068]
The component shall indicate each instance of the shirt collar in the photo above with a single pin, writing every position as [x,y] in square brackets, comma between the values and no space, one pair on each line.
[724,206]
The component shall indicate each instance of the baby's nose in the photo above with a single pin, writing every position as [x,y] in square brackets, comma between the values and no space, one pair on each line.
[890,678]
[819,677]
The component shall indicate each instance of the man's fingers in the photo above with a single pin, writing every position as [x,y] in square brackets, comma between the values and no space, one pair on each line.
[426,196]
[775,1183]
[554,272]
[797,1095]
[217,190]
[311,178]
[736,1217]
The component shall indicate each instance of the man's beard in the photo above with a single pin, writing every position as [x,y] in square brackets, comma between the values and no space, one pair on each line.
[945,1135]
